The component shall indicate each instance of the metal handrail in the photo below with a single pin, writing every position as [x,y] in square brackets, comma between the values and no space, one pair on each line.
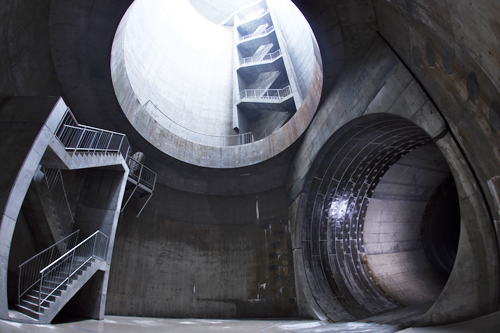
[92,140]
[77,137]
[257,34]
[141,174]
[29,270]
[249,17]
[208,139]
[266,93]
[94,246]
[54,180]
[261,58]
[67,119]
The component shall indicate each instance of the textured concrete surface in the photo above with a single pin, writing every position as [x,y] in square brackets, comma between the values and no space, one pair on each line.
[383,84]
[453,48]
[218,11]
[26,126]
[98,203]
[202,262]
[446,81]
[112,324]
[392,233]
[206,99]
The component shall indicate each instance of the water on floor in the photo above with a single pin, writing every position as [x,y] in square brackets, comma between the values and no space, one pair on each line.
[386,323]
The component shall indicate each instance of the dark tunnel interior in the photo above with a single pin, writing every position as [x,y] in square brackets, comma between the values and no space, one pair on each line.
[375,241]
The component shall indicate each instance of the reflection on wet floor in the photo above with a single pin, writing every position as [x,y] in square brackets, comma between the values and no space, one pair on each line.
[389,322]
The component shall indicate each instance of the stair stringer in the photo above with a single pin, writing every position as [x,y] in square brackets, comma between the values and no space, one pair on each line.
[61,158]
[72,289]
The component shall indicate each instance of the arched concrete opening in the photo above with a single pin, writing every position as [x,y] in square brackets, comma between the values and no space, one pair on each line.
[174,76]
[368,237]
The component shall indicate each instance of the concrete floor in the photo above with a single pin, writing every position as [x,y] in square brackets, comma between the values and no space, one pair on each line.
[115,324]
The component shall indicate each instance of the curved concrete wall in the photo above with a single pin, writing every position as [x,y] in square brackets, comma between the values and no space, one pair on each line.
[387,87]
[207,155]
[392,234]
[24,37]
[442,43]
[453,48]
[181,63]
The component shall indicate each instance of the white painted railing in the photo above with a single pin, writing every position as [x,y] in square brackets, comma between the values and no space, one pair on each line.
[201,138]
[269,57]
[29,271]
[59,272]
[266,94]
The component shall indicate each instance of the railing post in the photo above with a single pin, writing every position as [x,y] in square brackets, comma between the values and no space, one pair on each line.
[97,144]
[92,142]
[71,265]
[106,245]
[40,292]
[19,285]
[93,247]
[128,153]
[80,140]
[121,142]
[140,174]
[107,146]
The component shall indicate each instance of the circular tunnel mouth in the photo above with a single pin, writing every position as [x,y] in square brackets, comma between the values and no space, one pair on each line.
[222,95]
[379,206]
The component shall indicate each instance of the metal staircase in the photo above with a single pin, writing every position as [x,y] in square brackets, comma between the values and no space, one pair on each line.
[85,142]
[140,183]
[51,278]
[263,75]
[44,292]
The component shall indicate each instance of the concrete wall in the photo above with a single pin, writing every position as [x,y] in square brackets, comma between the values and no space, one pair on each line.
[186,73]
[392,234]
[23,247]
[98,208]
[26,66]
[218,257]
[99,202]
[207,153]
[297,41]
[376,81]
[453,47]
[450,47]
[219,10]
[26,130]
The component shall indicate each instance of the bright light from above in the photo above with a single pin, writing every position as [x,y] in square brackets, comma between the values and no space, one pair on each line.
[178,76]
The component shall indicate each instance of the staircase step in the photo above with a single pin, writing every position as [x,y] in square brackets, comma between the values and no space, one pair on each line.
[48,289]
[33,295]
[33,314]
[56,278]
[35,300]
[53,284]
[56,293]
[34,306]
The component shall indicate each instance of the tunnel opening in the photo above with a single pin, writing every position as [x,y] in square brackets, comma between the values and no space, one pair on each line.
[382,220]
[441,227]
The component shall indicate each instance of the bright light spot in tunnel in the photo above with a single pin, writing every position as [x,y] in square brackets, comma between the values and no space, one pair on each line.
[337,209]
